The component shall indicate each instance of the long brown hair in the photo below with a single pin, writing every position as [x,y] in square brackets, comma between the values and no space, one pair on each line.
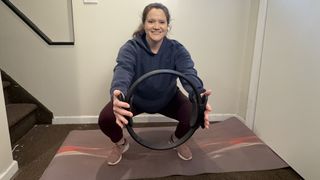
[140,30]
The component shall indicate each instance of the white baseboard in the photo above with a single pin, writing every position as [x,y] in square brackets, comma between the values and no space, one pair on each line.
[141,118]
[75,120]
[10,171]
[240,118]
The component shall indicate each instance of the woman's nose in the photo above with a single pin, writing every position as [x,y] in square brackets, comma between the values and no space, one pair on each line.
[156,26]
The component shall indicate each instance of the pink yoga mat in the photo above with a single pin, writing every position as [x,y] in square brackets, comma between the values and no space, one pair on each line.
[228,146]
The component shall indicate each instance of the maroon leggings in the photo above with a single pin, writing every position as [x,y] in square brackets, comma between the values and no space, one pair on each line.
[178,108]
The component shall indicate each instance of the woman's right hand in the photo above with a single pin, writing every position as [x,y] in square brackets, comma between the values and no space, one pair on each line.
[119,109]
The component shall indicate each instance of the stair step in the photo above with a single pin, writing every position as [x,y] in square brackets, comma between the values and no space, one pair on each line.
[15,93]
[5,84]
[21,118]
[16,112]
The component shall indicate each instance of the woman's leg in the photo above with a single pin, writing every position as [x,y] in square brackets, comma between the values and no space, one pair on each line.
[179,108]
[108,125]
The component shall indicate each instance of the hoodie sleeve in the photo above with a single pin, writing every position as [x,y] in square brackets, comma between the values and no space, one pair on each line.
[185,65]
[124,70]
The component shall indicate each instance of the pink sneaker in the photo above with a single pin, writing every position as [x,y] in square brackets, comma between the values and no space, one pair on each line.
[183,150]
[115,155]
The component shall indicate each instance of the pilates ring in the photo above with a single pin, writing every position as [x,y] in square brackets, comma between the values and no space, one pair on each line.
[197,116]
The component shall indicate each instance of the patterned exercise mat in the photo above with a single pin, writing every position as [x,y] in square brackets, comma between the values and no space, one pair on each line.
[228,146]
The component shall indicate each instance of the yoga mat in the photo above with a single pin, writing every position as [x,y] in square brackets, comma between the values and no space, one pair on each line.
[228,146]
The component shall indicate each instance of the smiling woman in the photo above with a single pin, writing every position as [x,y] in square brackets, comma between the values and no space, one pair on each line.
[149,50]
[155,24]
[156,28]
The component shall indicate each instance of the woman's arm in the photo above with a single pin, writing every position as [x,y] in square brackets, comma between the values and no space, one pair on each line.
[124,70]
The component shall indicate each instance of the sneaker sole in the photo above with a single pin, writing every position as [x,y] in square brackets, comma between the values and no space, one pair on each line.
[180,156]
[183,158]
[114,163]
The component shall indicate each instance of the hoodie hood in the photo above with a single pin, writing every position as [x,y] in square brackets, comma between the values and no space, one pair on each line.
[142,42]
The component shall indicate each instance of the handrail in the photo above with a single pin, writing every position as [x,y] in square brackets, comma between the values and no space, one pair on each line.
[35,27]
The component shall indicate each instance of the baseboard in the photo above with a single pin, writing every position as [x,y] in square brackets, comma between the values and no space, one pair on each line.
[75,120]
[141,118]
[240,118]
[10,171]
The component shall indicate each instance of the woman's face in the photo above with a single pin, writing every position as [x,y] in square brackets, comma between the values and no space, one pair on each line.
[156,26]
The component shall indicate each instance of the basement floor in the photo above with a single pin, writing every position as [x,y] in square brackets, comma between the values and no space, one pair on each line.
[36,149]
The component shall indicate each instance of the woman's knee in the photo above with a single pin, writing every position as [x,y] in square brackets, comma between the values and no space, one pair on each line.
[106,116]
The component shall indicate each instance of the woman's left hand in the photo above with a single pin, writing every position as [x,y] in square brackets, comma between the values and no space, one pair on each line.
[208,110]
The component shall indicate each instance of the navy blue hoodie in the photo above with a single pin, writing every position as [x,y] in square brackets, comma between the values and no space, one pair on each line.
[135,59]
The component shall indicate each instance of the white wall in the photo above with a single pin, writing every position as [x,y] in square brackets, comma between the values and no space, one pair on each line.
[7,165]
[75,80]
[287,112]
[248,53]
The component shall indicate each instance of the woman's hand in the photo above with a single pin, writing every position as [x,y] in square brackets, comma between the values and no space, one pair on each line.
[119,109]
[208,110]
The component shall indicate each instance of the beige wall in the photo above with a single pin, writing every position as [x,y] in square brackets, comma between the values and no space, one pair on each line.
[56,12]
[75,80]
[7,166]
[287,113]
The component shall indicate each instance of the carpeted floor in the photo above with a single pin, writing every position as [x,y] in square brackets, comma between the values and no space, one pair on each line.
[35,151]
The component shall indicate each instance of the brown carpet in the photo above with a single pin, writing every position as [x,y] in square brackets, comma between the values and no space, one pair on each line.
[228,146]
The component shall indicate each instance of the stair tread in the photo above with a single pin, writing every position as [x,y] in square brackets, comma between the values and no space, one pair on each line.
[5,84]
[16,112]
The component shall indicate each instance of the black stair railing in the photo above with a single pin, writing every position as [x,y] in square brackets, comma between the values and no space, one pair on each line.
[35,27]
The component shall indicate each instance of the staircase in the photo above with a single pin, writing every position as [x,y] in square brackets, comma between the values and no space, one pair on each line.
[23,110]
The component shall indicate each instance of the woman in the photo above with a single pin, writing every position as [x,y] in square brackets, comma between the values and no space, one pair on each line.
[150,49]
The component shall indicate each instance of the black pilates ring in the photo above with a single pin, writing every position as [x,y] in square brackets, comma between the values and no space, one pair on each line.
[199,106]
